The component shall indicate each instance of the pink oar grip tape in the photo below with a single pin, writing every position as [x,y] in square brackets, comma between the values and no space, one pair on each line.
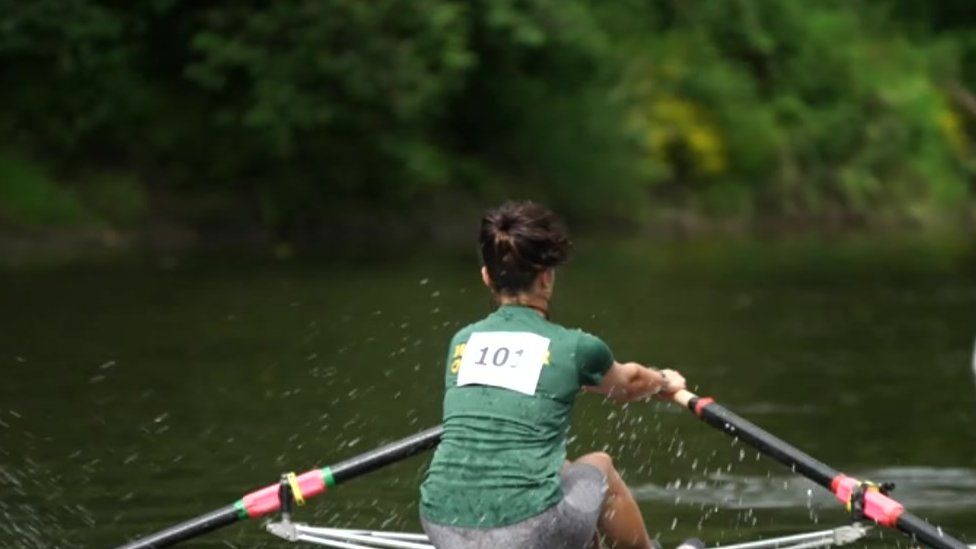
[877,506]
[264,501]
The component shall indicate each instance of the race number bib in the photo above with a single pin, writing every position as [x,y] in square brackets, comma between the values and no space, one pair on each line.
[510,360]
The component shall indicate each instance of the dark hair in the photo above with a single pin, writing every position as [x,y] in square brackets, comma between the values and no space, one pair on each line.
[518,241]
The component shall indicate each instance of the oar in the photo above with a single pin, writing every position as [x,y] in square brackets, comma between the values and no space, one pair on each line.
[870,500]
[311,483]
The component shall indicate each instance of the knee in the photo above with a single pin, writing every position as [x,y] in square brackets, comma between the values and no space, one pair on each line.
[604,458]
[600,460]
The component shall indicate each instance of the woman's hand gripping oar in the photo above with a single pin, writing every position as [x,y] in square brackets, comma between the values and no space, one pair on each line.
[863,499]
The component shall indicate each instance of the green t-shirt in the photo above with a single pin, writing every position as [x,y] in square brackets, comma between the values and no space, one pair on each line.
[511,382]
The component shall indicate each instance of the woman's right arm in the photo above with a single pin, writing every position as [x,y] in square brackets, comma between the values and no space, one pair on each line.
[629,381]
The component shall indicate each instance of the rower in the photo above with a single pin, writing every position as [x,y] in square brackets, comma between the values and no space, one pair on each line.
[499,477]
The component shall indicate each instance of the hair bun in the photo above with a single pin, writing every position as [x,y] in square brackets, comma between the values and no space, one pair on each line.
[506,221]
[518,240]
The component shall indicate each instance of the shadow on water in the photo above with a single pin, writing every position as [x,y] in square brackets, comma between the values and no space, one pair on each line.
[138,395]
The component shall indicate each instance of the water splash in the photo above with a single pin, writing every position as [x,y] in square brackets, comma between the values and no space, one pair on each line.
[917,488]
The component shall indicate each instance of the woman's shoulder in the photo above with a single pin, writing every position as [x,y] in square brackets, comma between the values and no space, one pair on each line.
[573,332]
[543,327]
[464,332]
[584,342]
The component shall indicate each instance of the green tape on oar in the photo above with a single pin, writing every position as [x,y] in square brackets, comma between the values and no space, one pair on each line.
[330,481]
[241,510]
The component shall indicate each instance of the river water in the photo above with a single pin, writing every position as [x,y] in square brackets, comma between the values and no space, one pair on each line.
[140,392]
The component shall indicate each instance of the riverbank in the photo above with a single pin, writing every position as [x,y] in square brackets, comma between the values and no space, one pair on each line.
[390,239]
[62,217]
[89,217]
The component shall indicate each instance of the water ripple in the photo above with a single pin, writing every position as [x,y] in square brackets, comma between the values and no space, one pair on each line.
[917,488]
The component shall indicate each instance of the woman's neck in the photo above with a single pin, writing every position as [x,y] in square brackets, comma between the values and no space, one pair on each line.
[532,301]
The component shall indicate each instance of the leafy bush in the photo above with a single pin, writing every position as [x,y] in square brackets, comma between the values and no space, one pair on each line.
[298,111]
[28,198]
[796,109]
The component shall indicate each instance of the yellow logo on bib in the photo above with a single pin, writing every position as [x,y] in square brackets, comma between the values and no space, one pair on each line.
[456,361]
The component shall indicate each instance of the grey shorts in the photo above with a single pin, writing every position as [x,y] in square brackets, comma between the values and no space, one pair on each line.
[570,524]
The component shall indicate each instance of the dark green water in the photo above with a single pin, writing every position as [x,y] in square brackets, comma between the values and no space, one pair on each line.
[138,394]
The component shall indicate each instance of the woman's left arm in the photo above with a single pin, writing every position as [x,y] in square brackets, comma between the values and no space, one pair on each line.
[629,381]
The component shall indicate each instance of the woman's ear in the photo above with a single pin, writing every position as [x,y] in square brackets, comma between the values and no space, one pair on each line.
[486,279]
[547,279]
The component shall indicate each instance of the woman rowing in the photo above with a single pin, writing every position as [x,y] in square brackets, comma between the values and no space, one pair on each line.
[499,478]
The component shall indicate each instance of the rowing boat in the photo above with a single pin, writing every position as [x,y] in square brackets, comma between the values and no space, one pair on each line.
[868,502]
[342,538]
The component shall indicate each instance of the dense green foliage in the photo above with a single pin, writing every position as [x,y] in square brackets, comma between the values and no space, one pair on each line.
[800,108]
[295,114]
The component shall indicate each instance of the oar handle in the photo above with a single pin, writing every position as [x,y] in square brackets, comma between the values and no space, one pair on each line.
[683,397]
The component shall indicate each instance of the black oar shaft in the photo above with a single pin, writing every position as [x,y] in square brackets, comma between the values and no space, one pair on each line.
[742,429]
[721,418]
[341,472]
[385,455]
[926,533]
[189,529]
